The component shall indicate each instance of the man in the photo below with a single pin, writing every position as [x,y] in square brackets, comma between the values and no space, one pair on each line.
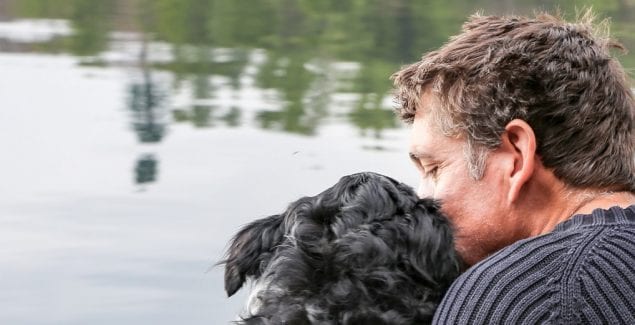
[523,127]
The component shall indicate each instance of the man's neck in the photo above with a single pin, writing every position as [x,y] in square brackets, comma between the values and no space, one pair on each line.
[581,202]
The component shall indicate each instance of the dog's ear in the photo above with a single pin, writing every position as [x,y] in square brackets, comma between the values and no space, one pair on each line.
[250,250]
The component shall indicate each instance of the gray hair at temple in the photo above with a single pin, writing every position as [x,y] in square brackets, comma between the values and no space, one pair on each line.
[558,76]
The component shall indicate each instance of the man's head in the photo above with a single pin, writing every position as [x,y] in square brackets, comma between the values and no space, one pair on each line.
[513,107]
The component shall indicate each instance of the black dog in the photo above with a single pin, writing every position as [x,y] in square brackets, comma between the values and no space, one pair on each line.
[365,251]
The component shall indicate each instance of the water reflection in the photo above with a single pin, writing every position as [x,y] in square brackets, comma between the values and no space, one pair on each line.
[145,103]
[212,39]
[91,23]
[146,169]
[301,111]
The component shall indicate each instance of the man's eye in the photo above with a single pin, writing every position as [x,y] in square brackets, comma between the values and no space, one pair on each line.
[432,172]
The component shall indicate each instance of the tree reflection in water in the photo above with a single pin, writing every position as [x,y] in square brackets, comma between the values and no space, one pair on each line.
[302,45]
[145,169]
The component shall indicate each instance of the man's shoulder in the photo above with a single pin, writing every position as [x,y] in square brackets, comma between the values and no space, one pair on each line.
[528,281]
[524,268]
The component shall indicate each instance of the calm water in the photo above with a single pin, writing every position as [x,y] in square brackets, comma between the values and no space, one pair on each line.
[138,136]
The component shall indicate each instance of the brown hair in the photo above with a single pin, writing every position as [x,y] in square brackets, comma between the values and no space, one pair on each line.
[557,76]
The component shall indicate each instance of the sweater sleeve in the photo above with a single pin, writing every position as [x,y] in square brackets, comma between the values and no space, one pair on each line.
[585,277]
[602,288]
[514,286]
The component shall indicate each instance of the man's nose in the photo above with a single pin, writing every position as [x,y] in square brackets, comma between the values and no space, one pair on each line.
[425,189]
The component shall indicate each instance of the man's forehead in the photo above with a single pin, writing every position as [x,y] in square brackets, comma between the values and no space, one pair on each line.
[427,141]
[424,141]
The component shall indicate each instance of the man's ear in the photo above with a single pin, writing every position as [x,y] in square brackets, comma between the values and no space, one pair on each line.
[251,248]
[519,141]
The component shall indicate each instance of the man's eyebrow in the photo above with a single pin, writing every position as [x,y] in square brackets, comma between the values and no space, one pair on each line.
[416,155]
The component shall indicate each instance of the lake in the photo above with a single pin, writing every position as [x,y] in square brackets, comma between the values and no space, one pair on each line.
[138,136]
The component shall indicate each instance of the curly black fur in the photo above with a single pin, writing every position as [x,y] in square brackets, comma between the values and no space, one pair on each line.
[365,251]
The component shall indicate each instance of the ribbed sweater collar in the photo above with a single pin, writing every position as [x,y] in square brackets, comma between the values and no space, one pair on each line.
[611,216]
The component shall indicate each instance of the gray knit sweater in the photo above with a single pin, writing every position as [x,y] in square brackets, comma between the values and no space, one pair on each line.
[581,273]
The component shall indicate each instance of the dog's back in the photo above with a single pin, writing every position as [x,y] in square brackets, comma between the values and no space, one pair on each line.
[365,251]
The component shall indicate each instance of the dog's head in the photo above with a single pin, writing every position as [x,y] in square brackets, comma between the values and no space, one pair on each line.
[366,250]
